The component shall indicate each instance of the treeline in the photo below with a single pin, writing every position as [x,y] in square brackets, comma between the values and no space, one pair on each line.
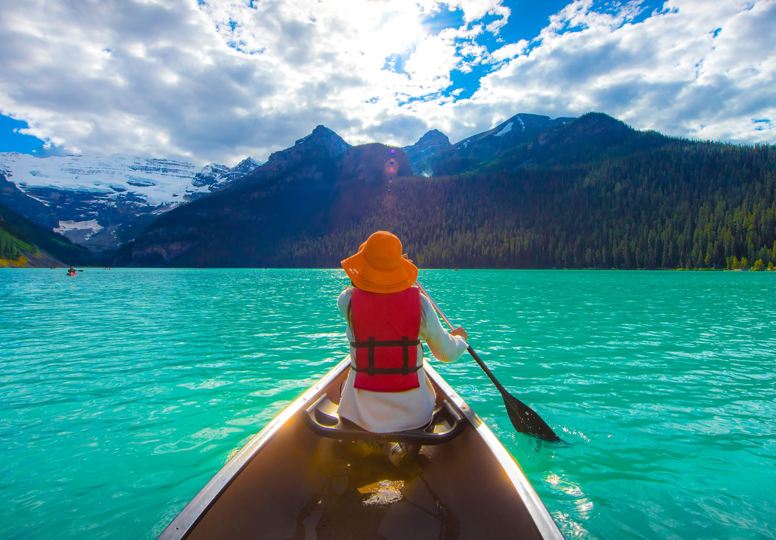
[680,205]
[11,247]
[19,237]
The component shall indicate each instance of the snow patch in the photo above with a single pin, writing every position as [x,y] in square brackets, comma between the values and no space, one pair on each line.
[155,181]
[506,129]
[90,225]
[44,202]
[522,124]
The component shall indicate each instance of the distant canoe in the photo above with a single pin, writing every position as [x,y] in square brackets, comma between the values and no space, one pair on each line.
[288,481]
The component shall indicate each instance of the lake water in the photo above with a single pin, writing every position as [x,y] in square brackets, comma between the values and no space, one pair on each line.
[123,391]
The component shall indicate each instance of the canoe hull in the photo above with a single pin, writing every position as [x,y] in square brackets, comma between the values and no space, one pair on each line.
[288,482]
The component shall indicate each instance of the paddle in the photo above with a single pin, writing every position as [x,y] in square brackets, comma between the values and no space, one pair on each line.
[523,417]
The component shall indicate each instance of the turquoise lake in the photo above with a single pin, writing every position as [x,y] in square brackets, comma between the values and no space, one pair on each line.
[123,391]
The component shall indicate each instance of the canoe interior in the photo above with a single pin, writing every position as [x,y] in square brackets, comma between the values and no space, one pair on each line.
[301,486]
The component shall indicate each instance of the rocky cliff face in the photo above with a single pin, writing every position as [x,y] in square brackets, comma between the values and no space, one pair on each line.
[322,143]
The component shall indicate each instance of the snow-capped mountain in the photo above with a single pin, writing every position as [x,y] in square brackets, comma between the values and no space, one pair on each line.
[98,200]
[520,129]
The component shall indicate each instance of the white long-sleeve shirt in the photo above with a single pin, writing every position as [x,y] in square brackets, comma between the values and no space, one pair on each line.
[385,412]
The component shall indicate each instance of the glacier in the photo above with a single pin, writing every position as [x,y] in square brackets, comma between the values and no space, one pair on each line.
[156,181]
[96,200]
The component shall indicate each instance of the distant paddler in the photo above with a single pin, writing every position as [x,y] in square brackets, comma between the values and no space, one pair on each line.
[72,272]
[387,390]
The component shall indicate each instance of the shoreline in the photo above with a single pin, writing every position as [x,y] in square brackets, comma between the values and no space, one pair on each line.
[454,269]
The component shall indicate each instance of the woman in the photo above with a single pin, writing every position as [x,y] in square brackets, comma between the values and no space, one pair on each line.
[387,390]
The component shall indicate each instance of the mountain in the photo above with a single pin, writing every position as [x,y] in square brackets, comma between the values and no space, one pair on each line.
[527,140]
[423,153]
[570,193]
[101,202]
[236,226]
[24,243]
[591,138]
[520,130]
[37,211]
[322,143]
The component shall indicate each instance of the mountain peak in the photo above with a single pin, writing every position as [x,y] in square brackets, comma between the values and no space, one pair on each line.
[599,124]
[246,165]
[320,132]
[433,137]
[325,139]
[321,143]
[422,153]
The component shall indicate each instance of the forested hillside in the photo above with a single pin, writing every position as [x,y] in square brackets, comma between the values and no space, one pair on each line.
[683,205]
[23,243]
[590,194]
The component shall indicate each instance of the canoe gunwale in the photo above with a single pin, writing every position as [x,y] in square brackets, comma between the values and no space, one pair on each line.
[191,514]
[542,519]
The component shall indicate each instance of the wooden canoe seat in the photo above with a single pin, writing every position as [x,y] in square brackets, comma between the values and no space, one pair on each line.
[321,416]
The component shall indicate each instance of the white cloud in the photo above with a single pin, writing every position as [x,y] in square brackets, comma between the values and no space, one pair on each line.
[214,81]
[430,64]
[474,10]
[696,69]
[510,50]
[222,80]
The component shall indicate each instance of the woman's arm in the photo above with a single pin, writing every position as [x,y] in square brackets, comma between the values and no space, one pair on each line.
[344,301]
[444,345]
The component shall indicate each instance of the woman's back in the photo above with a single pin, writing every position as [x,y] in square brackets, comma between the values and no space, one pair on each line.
[387,389]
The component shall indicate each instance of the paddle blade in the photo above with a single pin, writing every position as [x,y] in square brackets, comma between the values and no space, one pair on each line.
[525,419]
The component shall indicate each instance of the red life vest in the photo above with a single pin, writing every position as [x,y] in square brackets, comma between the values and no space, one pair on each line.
[385,329]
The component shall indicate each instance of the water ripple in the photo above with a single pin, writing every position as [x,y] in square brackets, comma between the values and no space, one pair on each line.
[123,391]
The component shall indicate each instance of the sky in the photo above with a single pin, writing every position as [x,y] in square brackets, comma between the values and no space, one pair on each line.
[216,81]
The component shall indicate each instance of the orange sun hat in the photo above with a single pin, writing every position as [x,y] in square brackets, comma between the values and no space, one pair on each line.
[379,266]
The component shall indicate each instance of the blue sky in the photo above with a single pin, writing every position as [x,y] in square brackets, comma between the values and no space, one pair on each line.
[12,140]
[217,80]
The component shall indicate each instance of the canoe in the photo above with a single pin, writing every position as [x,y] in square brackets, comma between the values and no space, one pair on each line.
[295,480]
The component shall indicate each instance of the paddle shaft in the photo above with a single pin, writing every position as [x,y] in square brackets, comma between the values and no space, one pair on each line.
[523,417]
[472,352]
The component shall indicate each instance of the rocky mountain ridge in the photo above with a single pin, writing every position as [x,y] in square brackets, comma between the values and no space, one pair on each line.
[532,192]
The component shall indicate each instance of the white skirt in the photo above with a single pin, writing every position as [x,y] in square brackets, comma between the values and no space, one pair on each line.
[387,412]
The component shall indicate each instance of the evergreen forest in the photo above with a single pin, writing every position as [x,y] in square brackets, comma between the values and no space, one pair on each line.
[680,205]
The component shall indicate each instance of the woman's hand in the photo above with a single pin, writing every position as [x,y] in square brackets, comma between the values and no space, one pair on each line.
[460,332]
